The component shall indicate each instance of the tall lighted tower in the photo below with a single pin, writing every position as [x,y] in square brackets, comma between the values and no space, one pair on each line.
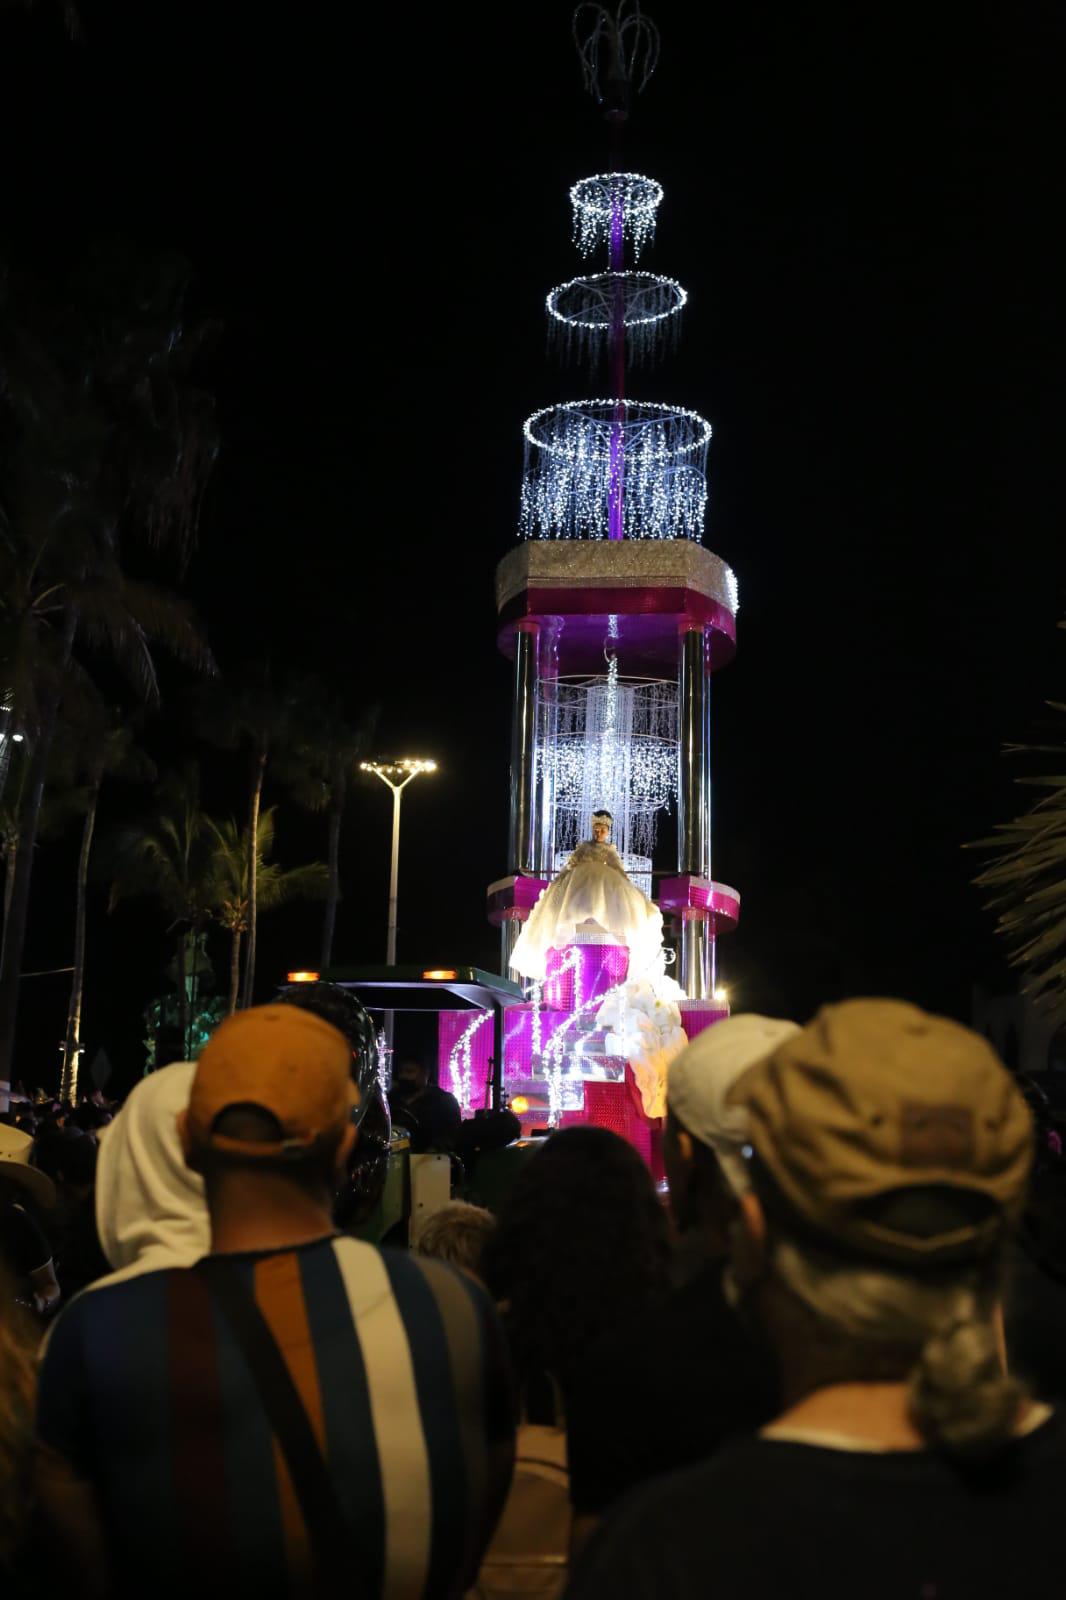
[611,608]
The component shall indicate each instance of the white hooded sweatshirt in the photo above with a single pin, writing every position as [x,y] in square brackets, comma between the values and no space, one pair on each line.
[150,1208]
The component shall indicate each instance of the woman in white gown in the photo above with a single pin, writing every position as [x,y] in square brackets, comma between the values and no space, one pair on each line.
[592,888]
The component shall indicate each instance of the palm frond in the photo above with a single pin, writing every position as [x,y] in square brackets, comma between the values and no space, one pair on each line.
[1025,882]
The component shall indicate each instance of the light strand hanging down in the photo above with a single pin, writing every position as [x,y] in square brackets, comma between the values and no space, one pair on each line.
[591,464]
[460,1061]
[615,203]
[586,314]
[613,745]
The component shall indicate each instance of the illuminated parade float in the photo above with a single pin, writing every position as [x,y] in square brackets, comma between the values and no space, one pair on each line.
[614,615]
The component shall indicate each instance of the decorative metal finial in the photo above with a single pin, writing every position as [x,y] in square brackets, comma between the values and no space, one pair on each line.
[618,53]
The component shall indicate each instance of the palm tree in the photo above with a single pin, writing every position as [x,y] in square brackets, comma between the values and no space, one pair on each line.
[251,708]
[1027,880]
[319,773]
[10,804]
[108,751]
[275,885]
[103,438]
[170,858]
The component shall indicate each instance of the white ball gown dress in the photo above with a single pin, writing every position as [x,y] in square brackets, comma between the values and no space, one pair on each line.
[592,887]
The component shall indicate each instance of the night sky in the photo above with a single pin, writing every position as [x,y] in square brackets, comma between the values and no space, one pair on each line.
[864,204]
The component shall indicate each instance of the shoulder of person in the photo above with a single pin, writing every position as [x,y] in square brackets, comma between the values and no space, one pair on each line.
[449,1285]
[402,1274]
[657,1527]
[102,1301]
[76,1323]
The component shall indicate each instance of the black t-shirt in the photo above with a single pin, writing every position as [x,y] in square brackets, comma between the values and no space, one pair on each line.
[708,1378]
[432,1118]
[777,1519]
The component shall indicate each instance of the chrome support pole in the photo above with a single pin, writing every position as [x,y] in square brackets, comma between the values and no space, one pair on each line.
[694,805]
[696,945]
[694,775]
[509,931]
[520,846]
[547,719]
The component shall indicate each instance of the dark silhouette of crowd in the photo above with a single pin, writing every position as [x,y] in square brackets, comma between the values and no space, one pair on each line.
[827,1361]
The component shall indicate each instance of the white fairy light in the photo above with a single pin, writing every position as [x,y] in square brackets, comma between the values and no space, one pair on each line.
[611,744]
[644,421]
[551,1055]
[557,1049]
[615,200]
[535,993]
[384,1064]
[460,1060]
[589,302]
[586,312]
[578,452]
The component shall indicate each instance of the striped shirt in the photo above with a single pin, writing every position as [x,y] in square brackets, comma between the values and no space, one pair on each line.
[400,1366]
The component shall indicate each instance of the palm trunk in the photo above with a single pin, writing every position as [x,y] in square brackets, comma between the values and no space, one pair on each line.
[10,858]
[259,760]
[333,892]
[68,1079]
[29,818]
[183,996]
[234,970]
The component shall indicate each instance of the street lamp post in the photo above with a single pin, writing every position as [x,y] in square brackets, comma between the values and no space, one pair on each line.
[396,775]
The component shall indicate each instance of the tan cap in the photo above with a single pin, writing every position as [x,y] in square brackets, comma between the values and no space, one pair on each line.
[890,1132]
[16,1150]
[698,1082]
[283,1060]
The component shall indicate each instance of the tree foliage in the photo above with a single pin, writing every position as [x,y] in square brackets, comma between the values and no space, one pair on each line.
[1026,882]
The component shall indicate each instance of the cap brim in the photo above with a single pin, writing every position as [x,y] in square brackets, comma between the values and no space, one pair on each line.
[37,1184]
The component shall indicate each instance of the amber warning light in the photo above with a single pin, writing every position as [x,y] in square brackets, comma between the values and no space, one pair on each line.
[440,972]
[302,977]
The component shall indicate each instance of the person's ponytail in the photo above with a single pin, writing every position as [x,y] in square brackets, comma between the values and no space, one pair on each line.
[962,1401]
[866,1320]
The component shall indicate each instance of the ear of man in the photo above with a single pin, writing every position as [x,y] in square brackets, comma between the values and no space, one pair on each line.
[748,1240]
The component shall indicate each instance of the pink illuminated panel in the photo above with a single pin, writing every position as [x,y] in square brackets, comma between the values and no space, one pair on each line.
[452,1025]
[583,972]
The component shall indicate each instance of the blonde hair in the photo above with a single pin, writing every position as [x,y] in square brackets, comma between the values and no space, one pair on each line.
[938,1330]
[17,1391]
[457,1234]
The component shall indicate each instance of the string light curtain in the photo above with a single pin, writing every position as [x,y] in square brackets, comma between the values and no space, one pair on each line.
[584,458]
[613,747]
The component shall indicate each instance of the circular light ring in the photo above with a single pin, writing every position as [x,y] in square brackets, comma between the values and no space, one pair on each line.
[606,198]
[590,303]
[586,430]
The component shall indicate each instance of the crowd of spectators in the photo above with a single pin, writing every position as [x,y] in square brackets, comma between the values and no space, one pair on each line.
[827,1361]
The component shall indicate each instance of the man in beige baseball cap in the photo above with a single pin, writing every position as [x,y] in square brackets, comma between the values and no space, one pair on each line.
[889,1156]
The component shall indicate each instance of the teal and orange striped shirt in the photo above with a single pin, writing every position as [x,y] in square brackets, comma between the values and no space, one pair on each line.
[401,1368]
